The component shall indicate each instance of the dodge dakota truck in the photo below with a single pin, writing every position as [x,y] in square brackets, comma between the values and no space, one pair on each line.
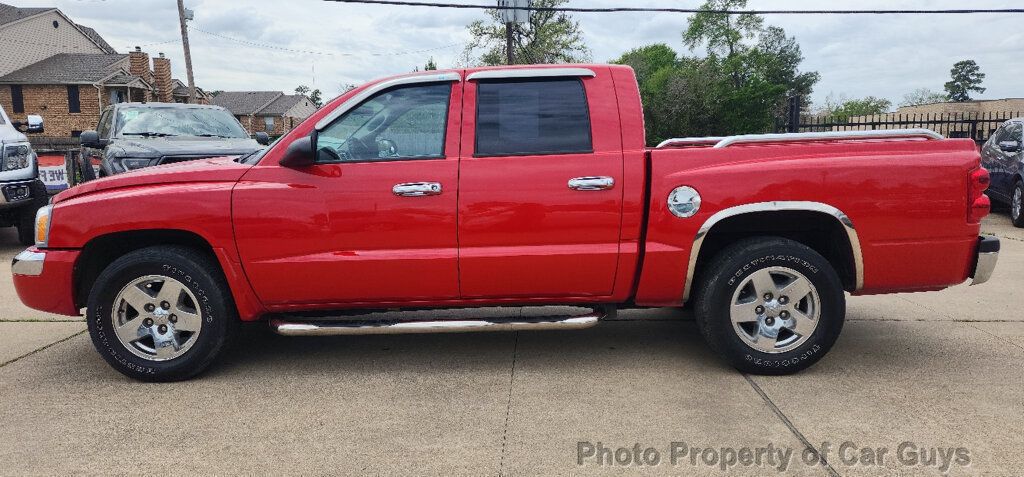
[508,186]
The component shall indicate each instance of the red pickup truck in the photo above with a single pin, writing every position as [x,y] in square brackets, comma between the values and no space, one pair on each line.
[508,186]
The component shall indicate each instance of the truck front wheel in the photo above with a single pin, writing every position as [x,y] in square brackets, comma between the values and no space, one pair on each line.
[770,306]
[161,313]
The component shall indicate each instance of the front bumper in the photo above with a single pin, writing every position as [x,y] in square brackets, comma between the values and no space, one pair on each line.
[986,257]
[44,279]
[16,194]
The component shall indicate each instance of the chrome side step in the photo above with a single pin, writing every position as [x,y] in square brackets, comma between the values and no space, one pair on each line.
[348,328]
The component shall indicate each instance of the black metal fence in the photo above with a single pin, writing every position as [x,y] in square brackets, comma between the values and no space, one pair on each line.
[977,126]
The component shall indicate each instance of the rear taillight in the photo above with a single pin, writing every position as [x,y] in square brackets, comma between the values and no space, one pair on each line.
[978,204]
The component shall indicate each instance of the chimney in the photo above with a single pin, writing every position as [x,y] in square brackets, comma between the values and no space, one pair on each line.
[162,79]
[138,64]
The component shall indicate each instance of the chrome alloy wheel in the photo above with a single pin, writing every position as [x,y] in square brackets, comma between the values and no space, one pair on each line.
[1015,204]
[775,310]
[156,318]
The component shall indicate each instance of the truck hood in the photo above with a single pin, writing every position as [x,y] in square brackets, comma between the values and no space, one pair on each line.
[219,169]
[184,146]
[9,134]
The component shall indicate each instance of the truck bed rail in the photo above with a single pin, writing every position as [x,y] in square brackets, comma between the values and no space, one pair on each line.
[723,142]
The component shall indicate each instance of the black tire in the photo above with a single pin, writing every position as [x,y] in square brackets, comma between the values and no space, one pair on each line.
[27,215]
[200,275]
[1018,192]
[730,269]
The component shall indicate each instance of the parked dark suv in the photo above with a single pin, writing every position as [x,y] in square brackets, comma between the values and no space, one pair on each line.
[1003,158]
[136,135]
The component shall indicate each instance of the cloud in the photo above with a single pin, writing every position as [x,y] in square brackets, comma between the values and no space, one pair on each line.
[886,56]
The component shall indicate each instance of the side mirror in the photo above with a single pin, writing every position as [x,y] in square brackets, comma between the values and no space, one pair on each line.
[35,124]
[299,153]
[32,125]
[1009,146]
[262,138]
[91,139]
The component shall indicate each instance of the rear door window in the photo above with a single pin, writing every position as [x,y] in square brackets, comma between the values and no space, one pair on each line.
[532,117]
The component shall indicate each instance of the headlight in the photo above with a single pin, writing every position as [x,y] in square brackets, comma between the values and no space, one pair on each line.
[133,163]
[16,156]
[42,229]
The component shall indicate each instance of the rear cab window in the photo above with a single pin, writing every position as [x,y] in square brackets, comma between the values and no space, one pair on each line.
[536,116]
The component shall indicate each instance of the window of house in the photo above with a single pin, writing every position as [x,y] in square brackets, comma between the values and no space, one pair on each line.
[268,123]
[535,116]
[408,122]
[117,96]
[17,99]
[74,105]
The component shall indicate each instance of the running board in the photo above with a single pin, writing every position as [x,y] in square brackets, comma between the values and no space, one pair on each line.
[348,328]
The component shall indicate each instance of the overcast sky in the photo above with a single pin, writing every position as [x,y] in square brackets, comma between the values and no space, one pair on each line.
[338,43]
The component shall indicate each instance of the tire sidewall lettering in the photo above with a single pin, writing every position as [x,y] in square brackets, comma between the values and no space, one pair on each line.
[762,262]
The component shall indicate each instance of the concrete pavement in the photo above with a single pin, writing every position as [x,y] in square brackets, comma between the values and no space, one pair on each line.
[940,371]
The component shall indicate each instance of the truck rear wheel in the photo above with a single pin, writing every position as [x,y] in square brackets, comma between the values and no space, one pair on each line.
[770,306]
[161,313]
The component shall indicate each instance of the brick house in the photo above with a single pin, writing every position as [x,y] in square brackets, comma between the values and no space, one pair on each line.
[67,73]
[272,112]
[983,106]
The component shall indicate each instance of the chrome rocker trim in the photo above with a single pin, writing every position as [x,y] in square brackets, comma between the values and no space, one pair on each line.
[383,85]
[28,263]
[851,232]
[349,328]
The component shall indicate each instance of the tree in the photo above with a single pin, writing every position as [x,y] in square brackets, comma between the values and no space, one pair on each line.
[549,37]
[922,96]
[966,77]
[315,96]
[740,86]
[843,108]
[723,34]
[431,65]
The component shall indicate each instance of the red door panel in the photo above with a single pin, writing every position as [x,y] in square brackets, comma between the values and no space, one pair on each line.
[338,233]
[522,231]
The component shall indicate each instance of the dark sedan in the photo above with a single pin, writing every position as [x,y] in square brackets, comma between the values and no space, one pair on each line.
[1002,156]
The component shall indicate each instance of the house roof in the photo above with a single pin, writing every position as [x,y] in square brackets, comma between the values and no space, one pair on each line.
[244,103]
[66,68]
[97,39]
[282,104]
[11,13]
[183,91]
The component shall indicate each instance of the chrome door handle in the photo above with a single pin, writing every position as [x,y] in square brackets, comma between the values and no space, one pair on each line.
[592,183]
[417,189]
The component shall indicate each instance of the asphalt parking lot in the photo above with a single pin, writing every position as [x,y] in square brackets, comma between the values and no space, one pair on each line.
[940,371]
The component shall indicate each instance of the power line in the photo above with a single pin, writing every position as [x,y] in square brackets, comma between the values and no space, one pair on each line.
[685,10]
[313,52]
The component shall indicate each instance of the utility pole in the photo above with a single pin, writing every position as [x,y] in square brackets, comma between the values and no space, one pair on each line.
[188,55]
[508,43]
[513,13]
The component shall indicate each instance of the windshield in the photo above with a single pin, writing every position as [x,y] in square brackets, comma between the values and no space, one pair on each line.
[160,122]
